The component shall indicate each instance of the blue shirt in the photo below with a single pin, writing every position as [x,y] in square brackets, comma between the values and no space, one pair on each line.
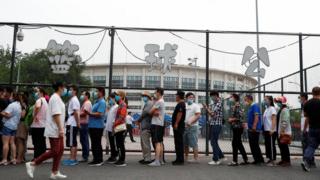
[252,111]
[98,122]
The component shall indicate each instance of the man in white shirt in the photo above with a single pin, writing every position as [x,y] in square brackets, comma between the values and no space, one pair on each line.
[129,123]
[190,136]
[55,132]
[72,125]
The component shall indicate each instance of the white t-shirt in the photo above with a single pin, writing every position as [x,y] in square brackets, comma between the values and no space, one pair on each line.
[191,110]
[42,104]
[111,117]
[55,107]
[267,118]
[303,119]
[159,120]
[14,109]
[129,119]
[74,105]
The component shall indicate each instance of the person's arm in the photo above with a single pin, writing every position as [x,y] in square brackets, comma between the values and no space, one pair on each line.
[178,119]
[194,118]
[306,124]
[255,121]
[36,110]
[56,119]
[77,117]
[5,114]
[273,123]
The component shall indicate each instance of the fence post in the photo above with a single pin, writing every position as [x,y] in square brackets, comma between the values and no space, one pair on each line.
[305,81]
[207,92]
[301,63]
[281,80]
[111,34]
[264,90]
[13,53]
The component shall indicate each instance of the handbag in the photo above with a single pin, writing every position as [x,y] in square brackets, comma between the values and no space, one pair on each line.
[285,139]
[120,128]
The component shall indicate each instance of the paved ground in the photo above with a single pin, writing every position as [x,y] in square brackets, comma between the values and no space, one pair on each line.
[135,171]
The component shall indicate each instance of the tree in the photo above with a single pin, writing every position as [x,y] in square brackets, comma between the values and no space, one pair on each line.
[5,62]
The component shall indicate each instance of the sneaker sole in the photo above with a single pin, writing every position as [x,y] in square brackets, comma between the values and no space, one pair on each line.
[28,166]
[122,165]
[305,168]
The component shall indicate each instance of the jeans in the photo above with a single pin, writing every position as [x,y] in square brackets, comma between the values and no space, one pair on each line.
[270,145]
[120,145]
[178,142]
[313,143]
[145,136]
[215,132]
[56,152]
[112,142]
[96,147]
[84,140]
[38,141]
[237,145]
[254,146]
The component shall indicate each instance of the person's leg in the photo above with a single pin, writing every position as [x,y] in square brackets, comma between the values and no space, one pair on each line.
[252,145]
[130,133]
[193,140]
[120,145]
[99,145]
[20,142]
[241,147]
[114,152]
[58,155]
[235,144]
[180,146]
[312,146]
[214,143]
[267,144]
[186,143]
[5,147]
[219,128]
[176,143]
[42,142]
[74,147]
[274,148]
[84,140]
[145,145]
[93,138]
[54,143]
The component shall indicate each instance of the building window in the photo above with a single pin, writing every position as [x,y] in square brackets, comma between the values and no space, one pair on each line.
[188,83]
[134,81]
[134,96]
[169,98]
[231,86]
[152,82]
[218,85]
[134,107]
[99,80]
[171,82]
[202,84]
[117,81]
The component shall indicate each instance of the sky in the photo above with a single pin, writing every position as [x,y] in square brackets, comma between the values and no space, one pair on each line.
[239,15]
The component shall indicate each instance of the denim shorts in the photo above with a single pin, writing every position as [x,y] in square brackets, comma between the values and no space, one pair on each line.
[8,132]
[190,137]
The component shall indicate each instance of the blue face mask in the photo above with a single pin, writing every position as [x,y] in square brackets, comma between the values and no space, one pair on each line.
[279,105]
[117,98]
[111,102]
[145,99]
[36,96]
[81,97]
[190,101]
[69,93]
[64,93]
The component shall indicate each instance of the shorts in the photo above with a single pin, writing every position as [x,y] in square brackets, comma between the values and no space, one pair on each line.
[8,132]
[157,133]
[71,136]
[190,137]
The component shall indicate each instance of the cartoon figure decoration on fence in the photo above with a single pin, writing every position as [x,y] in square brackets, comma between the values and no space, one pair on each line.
[249,57]
[61,56]
[165,58]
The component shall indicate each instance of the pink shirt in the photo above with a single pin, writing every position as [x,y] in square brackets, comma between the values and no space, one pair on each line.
[86,106]
[39,119]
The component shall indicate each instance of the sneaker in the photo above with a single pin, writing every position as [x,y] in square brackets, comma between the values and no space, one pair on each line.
[120,164]
[73,163]
[96,163]
[144,162]
[111,160]
[30,169]
[305,166]
[155,164]
[233,164]
[214,163]
[58,176]
[66,162]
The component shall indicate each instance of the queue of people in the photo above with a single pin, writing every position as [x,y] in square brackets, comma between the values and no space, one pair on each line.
[51,118]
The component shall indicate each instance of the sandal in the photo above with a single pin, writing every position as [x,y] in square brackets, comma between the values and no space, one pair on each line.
[3,163]
[13,161]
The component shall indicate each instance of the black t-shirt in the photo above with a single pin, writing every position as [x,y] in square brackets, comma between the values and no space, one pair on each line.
[180,107]
[3,105]
[312,111]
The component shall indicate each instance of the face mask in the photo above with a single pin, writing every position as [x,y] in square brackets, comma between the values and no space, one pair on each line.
[190,101]
[145,99]
[300,101]
[81,97]
[69,93]
[263,104]
[36,96]
[279,105]
[117,98]
[95,95]
[213,98]
[111,102]
[64,92]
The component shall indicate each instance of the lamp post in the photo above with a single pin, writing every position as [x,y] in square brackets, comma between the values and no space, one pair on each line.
[17,34]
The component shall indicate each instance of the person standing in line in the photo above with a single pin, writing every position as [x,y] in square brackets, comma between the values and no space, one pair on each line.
[270,130]
[284,130]
[236,121]
[254,129]
[39,123]
[178,126]
[157,126]
[145,123]
[216,121]
[54,130]
[312,121]
[129,124]
[11,118]
[119,127]
[109,128]
[73,126]
[84,119]
[96,127]
[303,99]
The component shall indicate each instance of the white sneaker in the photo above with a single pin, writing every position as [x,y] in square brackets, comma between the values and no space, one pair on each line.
[214,163]
[58,176]
[155,164]
[30,169]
